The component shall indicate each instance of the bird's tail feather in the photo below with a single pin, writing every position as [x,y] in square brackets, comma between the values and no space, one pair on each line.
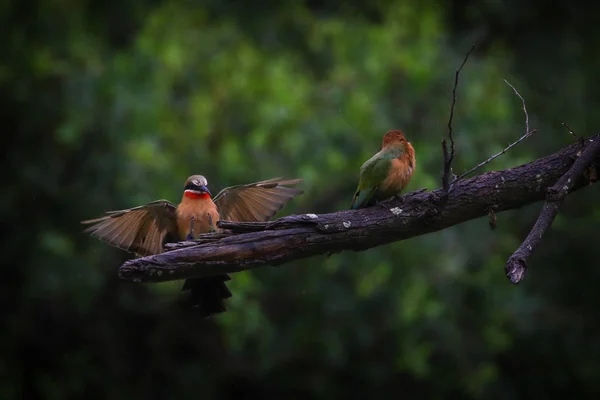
[363,198]
[208,294]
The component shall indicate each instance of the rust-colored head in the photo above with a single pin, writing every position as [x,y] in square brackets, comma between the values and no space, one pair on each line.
[394,137]
[394,140]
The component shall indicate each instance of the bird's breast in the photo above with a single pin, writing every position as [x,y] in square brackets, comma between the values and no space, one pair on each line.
[204,212]
[398,177]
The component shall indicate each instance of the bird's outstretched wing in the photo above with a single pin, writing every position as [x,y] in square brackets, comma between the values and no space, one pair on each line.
[255,202]
[140,230]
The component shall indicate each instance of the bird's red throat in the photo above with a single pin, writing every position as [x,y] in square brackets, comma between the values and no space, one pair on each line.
[192,194]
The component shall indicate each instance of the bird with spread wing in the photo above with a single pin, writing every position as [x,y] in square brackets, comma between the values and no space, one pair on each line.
[145,229]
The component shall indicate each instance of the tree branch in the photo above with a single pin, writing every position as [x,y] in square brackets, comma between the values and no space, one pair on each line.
[250,245]
[449,154]
[517,263]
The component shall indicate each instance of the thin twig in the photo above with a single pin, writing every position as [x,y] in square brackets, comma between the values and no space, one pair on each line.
[449,155]
[492,158]
[580,138]
[527,130]
[510,146]
[517,263]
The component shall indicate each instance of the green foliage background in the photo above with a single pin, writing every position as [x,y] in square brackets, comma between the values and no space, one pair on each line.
[110,105]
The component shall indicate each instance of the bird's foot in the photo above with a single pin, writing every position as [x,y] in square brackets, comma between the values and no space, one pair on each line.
[398,197]
[211,226]
[382,204]
[385,203]
[191,235]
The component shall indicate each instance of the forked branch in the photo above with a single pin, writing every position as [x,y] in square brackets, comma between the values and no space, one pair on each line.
[517,263]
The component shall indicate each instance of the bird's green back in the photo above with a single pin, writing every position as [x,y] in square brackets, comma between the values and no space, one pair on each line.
[372,173]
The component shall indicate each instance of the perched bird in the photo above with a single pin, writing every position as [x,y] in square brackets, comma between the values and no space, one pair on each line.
[143,230]
[386,173]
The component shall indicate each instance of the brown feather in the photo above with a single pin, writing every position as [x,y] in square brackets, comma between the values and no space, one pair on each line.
[393,137]
[255,202]
[140,230]
[200,209]
[401,168]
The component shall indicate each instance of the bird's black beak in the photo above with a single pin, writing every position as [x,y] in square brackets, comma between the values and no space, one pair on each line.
[204,189]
